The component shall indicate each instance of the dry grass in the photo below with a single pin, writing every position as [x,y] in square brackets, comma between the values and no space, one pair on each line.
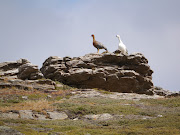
[39,105]
[11,99]
[15,91]
[61,93]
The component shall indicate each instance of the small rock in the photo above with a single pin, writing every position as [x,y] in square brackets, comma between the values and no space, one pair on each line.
[75,119]
[159,115]
[40,117]
[91,117]
[49,96]
[57,115]
[105,116]
[126,104]
[73,93]
[9,115]
[26,114]
[59,85]
[25,97]
[102,117]
[117,52]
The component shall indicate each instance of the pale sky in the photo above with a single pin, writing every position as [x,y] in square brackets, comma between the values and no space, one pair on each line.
[37,29]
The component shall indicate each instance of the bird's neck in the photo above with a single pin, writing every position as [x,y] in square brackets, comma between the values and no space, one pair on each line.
[94,39]
[119,40]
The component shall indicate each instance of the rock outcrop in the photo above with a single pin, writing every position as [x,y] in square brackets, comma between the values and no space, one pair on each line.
[162,92]
[42,85]
[22,74]
[21,69]
[29,114]
[11,68]
[120,73]
[29,71]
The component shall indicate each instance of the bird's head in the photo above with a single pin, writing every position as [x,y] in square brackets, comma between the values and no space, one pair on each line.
[92,35]
[117,36]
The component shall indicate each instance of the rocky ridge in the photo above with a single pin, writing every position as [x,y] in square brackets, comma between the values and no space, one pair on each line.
[112,72]
[109,71]
[28,98]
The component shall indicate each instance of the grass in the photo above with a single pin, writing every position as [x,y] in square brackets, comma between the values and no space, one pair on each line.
[39,106]
[103,91]
[167,102]
[159,126]
[12,99]
[168,124]
[85,106]
[63,86]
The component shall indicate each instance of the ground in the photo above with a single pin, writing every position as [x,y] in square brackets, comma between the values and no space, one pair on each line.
[132,114]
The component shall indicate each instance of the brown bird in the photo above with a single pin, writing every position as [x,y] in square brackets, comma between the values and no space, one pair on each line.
[98,45]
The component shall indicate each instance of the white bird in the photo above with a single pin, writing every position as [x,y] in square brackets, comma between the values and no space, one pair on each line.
[121,46]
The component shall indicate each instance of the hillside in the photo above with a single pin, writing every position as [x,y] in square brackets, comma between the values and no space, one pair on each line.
[59,100]
[86,112]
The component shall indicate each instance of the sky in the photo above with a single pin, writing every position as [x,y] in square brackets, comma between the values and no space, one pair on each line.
[37,29]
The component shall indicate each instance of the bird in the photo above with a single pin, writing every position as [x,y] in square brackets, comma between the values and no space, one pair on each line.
[98,45]
[121,46]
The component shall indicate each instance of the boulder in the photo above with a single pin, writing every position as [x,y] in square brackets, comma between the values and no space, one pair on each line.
[109,71]
[29,71]
[11,68]
[22,69]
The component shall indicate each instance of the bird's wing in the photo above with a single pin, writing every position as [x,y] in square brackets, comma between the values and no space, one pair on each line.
[100,45]
[126,51]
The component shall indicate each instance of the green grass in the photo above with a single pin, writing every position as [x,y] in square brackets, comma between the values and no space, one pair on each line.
[103,91]
[169,124]
[10,100]
[167,106]
[37,96]
[159,126]
[167,102]
[85,106]
[64,87]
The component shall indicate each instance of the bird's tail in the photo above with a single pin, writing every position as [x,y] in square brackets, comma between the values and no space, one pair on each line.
[106,49]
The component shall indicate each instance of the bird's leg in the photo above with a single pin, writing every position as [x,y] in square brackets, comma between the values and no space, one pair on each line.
[98,50]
